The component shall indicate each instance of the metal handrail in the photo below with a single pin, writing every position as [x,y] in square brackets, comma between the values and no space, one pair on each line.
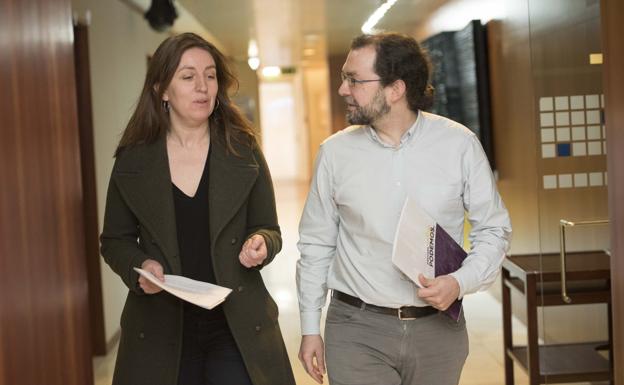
[563,223]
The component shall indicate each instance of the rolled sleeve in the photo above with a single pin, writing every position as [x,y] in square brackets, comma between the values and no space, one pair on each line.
[491,231]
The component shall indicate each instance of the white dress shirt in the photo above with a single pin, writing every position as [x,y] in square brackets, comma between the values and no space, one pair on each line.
[357,192]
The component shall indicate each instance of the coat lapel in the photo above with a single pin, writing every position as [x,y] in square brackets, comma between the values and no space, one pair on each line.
[231,180]
[145,181]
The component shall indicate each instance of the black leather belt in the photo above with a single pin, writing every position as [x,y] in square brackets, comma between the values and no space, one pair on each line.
[403,313]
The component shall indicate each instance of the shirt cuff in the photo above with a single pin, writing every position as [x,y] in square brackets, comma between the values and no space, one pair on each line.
[310,323]
[462,286]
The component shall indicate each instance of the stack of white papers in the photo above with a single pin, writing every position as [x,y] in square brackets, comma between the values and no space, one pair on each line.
[199,293]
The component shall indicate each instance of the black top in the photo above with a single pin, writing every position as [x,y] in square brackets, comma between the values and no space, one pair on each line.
[193,228]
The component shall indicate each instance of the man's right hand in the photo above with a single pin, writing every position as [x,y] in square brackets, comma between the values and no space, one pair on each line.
[312,356]
[155,268]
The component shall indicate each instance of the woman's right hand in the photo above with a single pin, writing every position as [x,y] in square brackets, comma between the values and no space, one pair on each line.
[155,268]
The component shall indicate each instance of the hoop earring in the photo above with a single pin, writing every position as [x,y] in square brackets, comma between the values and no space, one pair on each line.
[216,105]
[165,105]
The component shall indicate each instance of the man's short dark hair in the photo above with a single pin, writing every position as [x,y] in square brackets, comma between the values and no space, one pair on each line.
[401,57]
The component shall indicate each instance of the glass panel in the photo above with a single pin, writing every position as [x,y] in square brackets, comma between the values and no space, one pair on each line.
[572,189]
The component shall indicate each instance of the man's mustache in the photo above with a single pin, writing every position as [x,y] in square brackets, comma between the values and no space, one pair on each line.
[351,102]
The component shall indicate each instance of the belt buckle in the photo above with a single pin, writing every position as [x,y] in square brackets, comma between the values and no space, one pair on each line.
[400,314]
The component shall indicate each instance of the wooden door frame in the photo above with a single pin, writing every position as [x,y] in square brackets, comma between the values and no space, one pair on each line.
[89,189]
[612,12]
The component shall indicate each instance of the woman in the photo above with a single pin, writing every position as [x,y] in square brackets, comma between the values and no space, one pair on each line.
[190,194]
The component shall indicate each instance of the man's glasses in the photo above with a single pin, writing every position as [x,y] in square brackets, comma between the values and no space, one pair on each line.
[352,82]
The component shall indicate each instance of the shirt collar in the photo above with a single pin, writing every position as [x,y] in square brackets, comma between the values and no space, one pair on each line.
[404,139]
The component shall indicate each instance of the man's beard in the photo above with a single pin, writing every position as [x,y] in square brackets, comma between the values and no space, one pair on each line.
[367,115]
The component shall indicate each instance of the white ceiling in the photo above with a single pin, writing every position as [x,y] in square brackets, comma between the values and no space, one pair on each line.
[285,28]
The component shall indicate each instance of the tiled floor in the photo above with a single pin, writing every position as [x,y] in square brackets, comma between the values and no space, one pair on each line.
[483,313]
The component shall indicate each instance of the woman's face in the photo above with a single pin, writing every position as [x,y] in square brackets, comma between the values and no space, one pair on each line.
[192,92]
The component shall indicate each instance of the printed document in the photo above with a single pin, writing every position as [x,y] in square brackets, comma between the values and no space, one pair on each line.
[200,293]
[421,246]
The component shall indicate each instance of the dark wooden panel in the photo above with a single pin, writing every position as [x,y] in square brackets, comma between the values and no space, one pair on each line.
[43,290]
[612,12]
[87,162]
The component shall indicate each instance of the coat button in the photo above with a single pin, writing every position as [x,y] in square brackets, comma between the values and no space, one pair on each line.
[233,241]
[141,335]
[240,288]
[258,328]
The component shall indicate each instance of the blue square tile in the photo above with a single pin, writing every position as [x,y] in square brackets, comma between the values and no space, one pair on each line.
[563,149]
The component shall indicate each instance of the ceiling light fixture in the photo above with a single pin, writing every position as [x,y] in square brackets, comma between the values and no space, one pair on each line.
[252,53]
[253,63]
[271,71]
[252,48]
[373,19]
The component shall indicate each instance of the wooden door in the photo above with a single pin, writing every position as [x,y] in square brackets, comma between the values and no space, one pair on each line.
[44,331]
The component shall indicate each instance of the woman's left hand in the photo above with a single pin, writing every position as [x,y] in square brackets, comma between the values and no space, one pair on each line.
[254,251]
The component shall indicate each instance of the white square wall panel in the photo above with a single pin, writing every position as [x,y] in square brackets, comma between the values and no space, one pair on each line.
[580,180]
[578,149]
[546,104]
[565,180]
[604,147]
[592,101]
[547,119]
[578,133]
[593,117]
[550,182]
[562,118]
[548,151]
[561,103]
[594,148]
[595,179]
[593,132]
[578,117]
[577,102]
[563,134]
[548,135]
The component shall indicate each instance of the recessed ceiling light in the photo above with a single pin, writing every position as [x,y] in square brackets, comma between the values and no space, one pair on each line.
[253,63]
[271,71]
[252,48]
[373,19]
[310,37]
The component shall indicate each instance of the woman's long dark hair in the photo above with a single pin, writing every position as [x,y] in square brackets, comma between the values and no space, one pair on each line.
[150,120]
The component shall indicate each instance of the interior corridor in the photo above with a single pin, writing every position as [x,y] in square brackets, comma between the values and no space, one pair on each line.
[483,313]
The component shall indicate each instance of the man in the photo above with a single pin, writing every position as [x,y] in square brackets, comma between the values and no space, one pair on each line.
[381,329]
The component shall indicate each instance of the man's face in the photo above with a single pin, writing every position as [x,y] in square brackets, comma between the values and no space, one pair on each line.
[365,98]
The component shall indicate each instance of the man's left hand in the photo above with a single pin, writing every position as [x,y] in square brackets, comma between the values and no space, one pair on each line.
[439,292]
[254,251]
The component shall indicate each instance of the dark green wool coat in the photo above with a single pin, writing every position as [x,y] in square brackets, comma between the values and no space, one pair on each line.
[140,223]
